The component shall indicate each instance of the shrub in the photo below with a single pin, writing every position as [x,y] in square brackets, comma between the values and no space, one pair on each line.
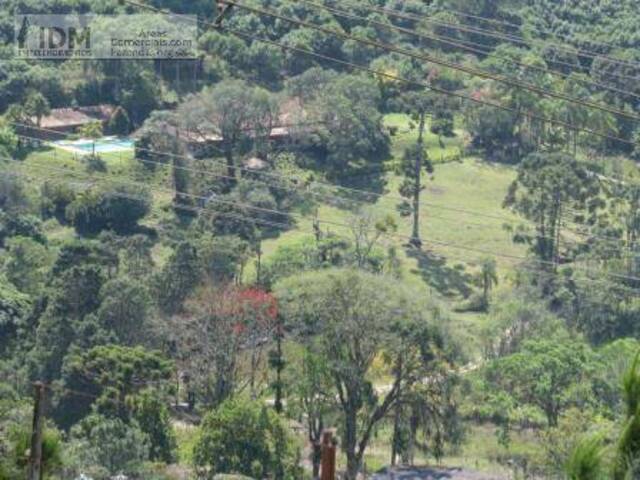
[119,123]
[95,163]
[245,438]
[55,198]
[21,226]
[110,445]
[117,209]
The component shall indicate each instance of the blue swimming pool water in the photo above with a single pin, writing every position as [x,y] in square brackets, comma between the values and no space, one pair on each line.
[106,145]
[103,145]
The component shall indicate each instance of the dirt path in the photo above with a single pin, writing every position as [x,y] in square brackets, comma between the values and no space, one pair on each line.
[428,473]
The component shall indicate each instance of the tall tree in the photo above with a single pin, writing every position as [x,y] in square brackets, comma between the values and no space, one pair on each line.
[417,103]
[349,318]
[549,188]
[542,374]
[350,128]
[628,448]
[488,278]
[108,376]
[178,278]
[37,106]
[311,396]
[124,310]
[222,110]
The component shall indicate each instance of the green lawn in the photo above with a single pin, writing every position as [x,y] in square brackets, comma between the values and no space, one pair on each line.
[52,163]
[461,216]
[451,236]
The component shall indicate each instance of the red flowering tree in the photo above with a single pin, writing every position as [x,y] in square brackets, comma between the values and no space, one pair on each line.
[256,312]
[223,337]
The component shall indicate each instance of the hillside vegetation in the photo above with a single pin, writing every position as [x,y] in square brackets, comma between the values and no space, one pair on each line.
[416,224]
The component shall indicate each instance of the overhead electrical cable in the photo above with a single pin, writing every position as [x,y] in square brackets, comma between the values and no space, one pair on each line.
[383,74]
[438,61]
[405,238]
[475,48]
[331,198]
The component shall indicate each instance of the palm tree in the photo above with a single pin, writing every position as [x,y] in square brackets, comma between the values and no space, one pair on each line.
[93,131]
[586,460]
[488,278]
[628,448]
[38,106]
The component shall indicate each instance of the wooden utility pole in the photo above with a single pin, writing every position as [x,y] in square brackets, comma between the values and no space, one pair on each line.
[328,471]
[35,456]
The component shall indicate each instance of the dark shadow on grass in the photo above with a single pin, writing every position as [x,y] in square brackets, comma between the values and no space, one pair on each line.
[447,280]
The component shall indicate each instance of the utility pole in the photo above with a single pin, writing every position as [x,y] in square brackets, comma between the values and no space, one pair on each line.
[35,456]
[328,471]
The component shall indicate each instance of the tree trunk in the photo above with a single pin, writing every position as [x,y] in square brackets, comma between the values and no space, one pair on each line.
[485,289]
[396,434]
[316,458]
[556,246]
[353,459]
[415,237]
[353,467]
[231,168]
[413,433]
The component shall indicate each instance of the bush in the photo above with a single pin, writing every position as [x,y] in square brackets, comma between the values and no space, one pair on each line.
[20,438]
[95,163]
[55,198]
[152,415]
[245,438]
[109,446]
[119,123]
[21,226]
[118,209]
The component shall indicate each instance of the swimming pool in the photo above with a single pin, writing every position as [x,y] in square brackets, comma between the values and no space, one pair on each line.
[102,145]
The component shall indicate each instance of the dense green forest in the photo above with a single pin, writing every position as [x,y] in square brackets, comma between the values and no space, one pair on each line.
[413,223]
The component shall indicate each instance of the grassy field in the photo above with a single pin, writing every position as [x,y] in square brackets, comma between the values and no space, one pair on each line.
[461,212]
[480,450]
[461,217]
[462,207]
[49,163]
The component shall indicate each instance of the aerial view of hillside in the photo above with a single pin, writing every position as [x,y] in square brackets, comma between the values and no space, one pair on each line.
[319,239]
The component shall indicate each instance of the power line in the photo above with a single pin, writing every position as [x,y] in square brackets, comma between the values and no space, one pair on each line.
[538,273]
[439,61]
[468,29]
[464,45]
[519,26]
[302,181]
[406,238]
[390,76]
[438,90]
[516,39]
[128,1]
[328,198]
